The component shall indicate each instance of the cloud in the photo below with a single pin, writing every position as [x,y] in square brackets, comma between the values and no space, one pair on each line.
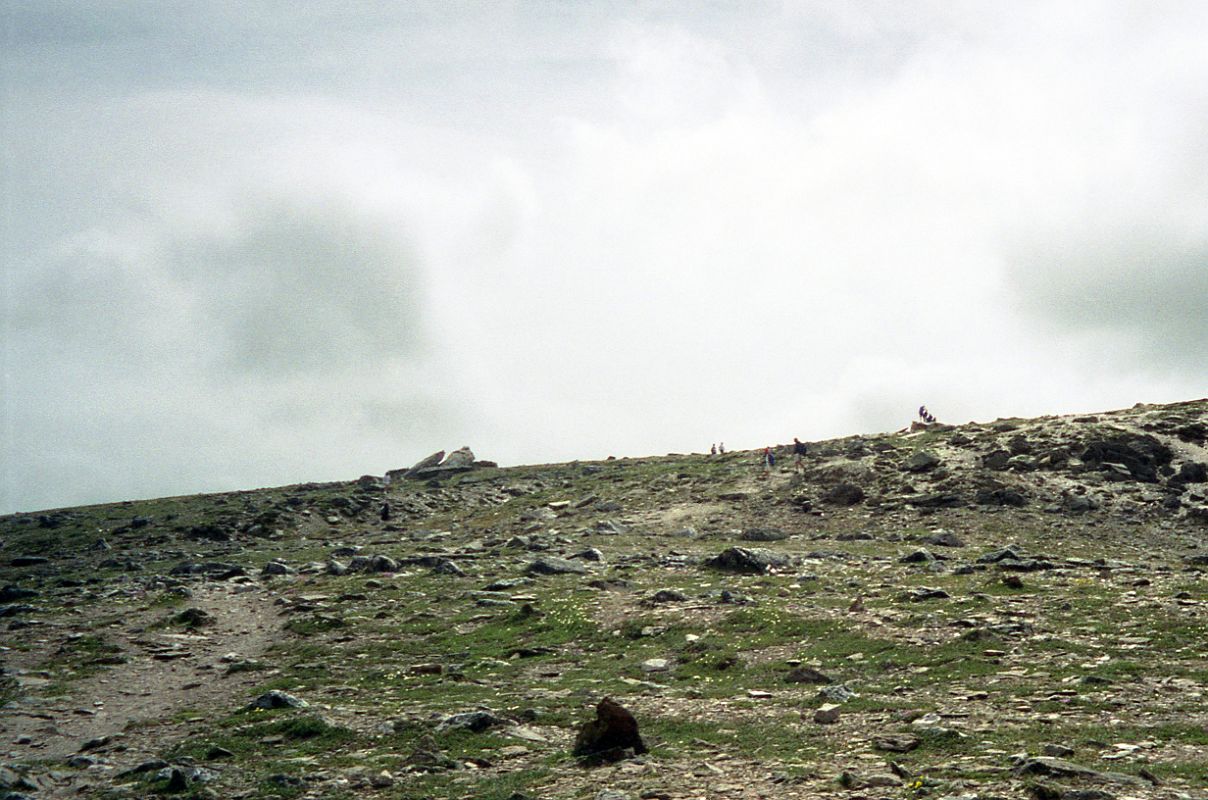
[294,288]
[295,254]
[219,351]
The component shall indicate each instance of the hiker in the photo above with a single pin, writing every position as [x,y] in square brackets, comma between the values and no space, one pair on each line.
[713,450]
[721,448]
[923,413]
[799,451]
[769,461]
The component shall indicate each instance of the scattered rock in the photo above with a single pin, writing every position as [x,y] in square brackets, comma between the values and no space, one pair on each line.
[275,698]
[748,560]
[28,561]
[896,743]
[921,593]
[1059,768]
[921,461]
[475,721]
[844,494]
[920,556]
[806,675]
[549,565]
[194,618]
[763,535]
[944,539]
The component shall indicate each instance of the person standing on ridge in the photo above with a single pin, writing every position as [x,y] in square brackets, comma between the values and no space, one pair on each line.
[799,451]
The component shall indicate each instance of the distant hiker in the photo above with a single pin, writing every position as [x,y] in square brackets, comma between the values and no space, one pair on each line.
[713,450]
[769,461]
[799,451]
[929,419]
[721,448]
[923,413]
[385,512]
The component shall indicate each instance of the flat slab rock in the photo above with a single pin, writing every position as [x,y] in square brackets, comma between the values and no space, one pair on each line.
[1060,768]
[549,565]
[747,559]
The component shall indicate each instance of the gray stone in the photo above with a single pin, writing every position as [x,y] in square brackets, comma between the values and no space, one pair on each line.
[997,460]
[1057,750]
[922,593]
[921,461]
[806,675]
[549,565]
[424,463]
[763,535]
[945,539]
[444,566]
[836,693]
[276,698]
[919,556]
[748,560]
[11,592]
[896,743]
[474,721]
[377,563]
[462,458]
[844,494]
[1058,768]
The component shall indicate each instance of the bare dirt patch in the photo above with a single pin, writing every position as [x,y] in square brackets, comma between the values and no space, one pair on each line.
[142,705]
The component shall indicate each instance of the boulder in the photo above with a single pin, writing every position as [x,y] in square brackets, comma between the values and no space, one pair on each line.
[1000,496]
[1141,455]
[422,464]
[277,699]
[997,460]
[1191,472]
[549,565]
[763,535]
[611,736]
[462,458]
[474,721]
[844,494]
[921,461]
[748,560]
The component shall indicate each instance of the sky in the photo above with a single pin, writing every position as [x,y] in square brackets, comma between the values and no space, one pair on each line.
[257,243]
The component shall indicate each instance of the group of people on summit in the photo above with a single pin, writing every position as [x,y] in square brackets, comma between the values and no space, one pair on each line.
[800,450]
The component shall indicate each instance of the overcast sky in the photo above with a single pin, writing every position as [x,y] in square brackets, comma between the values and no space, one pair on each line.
[255,243]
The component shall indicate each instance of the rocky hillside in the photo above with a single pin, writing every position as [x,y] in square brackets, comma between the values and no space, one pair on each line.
[1010,609]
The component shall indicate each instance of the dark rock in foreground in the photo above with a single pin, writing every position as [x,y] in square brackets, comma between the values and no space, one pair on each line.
[611,736]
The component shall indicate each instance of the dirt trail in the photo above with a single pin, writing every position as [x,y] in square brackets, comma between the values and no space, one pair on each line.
[168,672]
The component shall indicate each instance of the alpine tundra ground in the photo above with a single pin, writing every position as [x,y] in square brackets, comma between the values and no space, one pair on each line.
[1010,609]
